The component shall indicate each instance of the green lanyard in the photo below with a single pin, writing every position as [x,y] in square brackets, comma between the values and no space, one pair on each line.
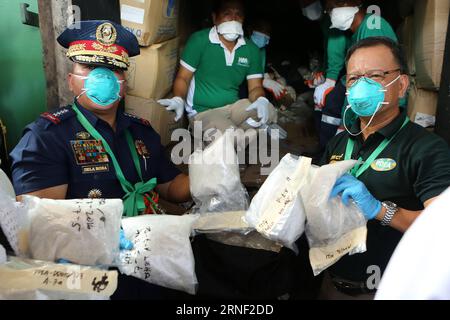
[358,169]
[133,201]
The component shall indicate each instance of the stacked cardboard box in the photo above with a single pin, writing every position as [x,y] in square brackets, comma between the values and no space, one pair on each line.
[151,74]
[151,21]
[422,106]
[423,36]
[406,38]
[430,29]
[162,121]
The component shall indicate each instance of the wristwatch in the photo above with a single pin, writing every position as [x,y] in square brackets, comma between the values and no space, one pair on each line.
[391,209]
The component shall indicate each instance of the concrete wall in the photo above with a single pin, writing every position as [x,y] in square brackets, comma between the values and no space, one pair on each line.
[54,18]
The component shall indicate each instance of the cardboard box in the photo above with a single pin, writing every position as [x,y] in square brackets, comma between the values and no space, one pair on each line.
[151,21]
[430,25]
[151,74]
[162,121]
[406,37]
[422,105]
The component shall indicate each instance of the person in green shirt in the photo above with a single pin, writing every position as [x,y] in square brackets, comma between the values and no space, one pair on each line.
[351,17]
[214,63]
[336,44]
[260,31]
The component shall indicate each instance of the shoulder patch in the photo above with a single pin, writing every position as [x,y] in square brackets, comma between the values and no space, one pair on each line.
[58,115]
[137,119]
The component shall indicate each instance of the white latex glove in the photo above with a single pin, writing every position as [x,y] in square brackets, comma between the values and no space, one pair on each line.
[276,88]
[321,92]
[261,105]
[175,104]
[318,79]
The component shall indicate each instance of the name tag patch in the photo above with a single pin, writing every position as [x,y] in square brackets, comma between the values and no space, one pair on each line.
[383,165]
[95,169]
[89,152]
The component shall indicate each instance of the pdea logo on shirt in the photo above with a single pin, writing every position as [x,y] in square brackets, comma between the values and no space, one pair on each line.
[383,165]
[243,62]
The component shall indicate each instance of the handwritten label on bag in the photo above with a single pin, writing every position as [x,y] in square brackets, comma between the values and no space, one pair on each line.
[284,198]
[88,214]
[323,257]
[23,274]
[140,256]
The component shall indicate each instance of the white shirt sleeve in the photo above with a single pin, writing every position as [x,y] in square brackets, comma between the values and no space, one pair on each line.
[419,269]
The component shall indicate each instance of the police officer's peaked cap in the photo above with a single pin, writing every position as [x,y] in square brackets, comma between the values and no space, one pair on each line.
[99,42]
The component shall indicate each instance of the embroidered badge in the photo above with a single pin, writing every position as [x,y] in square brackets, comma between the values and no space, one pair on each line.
[243,62]
[51,117]
[142,149]
[89,152]
[83,135]
[95,194]
[383,165]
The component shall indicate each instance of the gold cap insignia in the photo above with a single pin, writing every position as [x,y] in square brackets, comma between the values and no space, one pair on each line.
[106,34]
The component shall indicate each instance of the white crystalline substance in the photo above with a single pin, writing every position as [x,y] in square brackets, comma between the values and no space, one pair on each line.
[2,254]
[81,231]
[214,170]
[289,224]
[162,252]
[214,177]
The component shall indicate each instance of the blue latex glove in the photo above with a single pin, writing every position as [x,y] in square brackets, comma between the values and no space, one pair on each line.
[124,243]
[350,187]
[63,261]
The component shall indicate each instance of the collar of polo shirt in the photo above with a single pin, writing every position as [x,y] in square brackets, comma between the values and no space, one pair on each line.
[229,56]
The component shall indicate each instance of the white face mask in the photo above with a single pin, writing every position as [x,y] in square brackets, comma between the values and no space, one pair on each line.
[342,18]
[230,30]
[314,11]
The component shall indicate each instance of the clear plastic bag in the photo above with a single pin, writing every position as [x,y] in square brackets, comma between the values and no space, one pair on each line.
[83,231]
[25,279]
[2,255]
[277,210]
[162,252]
[221,222]
[13,219]
[214,178]
[333,229]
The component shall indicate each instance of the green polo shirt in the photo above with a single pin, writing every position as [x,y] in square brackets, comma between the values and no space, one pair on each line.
[414,168]
[218,72]
[336,44]
[367,30]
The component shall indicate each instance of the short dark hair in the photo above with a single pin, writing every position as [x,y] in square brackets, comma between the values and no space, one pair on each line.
[395,48]
[220,5]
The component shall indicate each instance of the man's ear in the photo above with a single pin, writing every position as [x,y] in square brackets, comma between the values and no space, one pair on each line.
[214,18]
[404,85]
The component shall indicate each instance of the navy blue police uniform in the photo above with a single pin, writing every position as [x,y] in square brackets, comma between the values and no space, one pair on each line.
[57,150]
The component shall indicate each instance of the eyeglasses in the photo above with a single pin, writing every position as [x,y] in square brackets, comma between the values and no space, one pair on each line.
[376,75]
